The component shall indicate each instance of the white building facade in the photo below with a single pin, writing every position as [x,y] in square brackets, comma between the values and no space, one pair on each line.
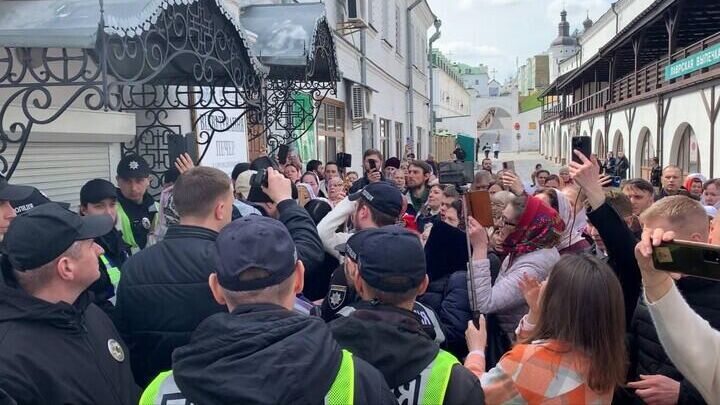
[628,95]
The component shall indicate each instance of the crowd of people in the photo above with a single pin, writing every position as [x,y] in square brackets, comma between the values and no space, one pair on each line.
[309,283]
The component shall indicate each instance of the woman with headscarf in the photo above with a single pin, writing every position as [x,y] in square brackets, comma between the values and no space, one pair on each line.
[571,240]
[531,231]
[694,185]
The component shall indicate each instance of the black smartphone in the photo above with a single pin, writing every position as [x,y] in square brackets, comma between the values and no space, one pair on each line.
[181,144]
[283,154]
[689,258]
[373,165]
[584,145]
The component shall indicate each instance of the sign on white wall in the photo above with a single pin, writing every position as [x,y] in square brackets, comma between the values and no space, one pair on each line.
[229,147]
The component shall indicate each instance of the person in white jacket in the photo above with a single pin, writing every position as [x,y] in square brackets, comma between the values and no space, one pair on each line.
[689,341]
[378,204]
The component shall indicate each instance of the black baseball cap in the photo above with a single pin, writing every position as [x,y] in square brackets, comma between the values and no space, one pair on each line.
[97,190]
[42,234]
[390,258]
[35,199]
[133,167]
[10,192]
[382,196]
[254,242]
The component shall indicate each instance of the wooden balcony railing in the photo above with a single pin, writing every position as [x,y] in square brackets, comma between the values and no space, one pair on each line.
[643,83]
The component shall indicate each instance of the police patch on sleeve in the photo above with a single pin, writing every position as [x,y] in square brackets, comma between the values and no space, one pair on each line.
[337,295]
[116,351]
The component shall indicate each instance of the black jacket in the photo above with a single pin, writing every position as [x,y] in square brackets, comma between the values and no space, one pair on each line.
[647,355]
[342,294]
[393,340]
[163,295]
[59,353]
[304,233]
[622,167]
[448,297]
[266,354]
[620,244]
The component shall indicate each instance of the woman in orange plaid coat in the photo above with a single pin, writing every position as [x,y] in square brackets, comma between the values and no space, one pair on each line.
[572,342]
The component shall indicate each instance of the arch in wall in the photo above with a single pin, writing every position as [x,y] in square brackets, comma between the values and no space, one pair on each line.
[600,150]
[563,151]
[618,143]
[644,153]
[685,152]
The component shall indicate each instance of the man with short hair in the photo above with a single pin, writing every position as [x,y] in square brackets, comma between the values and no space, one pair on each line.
[641,194]
[487,165]
[652,375]
[99,197]
[331,170]
[260,351]
[671,183]
[56,346]
[315,166]
[372,166]
[541,177]
[387,266]
[163,293]
[137,211]
[711,193]
[418,175]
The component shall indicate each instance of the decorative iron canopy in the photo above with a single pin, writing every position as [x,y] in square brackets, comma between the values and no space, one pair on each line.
[296,44]
[293,41]
[123,55]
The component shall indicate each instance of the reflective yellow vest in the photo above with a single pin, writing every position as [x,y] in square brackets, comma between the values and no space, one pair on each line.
[126,228]
[163,388]
[437,376]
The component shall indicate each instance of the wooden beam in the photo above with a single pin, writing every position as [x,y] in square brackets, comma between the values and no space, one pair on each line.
[712,107]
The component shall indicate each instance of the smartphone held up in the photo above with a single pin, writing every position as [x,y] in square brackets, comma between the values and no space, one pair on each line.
[688,258]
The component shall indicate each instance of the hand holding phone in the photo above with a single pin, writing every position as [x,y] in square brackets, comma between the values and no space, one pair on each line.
[689,258]
[509,165]
[582,144]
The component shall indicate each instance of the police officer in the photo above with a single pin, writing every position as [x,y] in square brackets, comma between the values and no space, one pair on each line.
[261,351]
[35,199]
[387,266]
[56,346]
[9,194]
[137,211]
[99,197]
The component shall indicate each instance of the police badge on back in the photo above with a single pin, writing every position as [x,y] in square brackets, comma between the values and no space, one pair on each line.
[146,222]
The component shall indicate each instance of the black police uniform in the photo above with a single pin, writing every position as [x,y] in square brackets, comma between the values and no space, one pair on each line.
[135,220]
[57,353]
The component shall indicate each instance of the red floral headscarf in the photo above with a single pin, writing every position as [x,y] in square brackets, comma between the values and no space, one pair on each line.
[539,227]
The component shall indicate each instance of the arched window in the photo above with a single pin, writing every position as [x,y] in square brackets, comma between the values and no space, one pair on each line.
[688,157]
[647,153]
[619,143]
[600,145]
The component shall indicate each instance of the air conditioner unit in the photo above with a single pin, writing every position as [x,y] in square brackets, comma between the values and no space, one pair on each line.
[360,108]
[357,13]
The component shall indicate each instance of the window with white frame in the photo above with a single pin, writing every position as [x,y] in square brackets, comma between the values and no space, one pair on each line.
[384,136]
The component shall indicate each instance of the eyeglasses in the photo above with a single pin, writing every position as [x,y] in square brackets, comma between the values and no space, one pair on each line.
[505,222]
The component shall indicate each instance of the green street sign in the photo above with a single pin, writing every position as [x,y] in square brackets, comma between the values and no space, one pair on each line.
[694,62]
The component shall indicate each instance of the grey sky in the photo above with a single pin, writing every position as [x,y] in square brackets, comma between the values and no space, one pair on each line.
[496,32]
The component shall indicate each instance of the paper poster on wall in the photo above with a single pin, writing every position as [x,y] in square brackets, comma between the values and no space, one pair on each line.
[229,147]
